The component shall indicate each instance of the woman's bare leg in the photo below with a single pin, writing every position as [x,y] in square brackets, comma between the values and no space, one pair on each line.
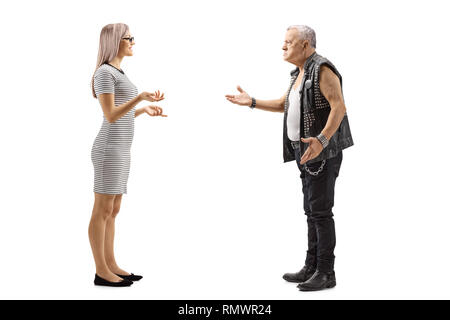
[109,238]
[103,208]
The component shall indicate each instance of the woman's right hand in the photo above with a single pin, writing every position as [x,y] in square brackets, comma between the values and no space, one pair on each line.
[152,97]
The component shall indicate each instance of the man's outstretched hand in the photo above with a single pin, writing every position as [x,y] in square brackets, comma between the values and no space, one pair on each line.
[313,150]
[242,98]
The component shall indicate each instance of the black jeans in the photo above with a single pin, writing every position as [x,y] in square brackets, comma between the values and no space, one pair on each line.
[318,200]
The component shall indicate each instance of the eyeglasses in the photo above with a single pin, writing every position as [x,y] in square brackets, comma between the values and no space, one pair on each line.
[131,39]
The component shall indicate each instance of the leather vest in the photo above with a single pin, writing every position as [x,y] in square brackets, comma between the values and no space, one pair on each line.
[314,112]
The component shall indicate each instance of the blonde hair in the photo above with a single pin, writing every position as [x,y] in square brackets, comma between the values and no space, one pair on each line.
[108,48]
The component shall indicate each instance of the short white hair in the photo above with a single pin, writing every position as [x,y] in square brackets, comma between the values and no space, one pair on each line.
[306,33]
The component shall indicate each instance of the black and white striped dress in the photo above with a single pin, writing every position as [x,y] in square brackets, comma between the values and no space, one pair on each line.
[110,152]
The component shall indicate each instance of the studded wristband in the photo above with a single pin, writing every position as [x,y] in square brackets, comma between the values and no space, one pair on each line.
[323,140]
[253,105]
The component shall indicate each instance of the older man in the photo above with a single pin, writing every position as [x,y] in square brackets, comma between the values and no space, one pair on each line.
[316,130]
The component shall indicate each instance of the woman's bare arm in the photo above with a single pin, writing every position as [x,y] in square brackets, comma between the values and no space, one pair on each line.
[113,113]
[139,112]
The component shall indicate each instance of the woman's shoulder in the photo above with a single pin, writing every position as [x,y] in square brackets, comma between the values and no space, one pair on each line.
[105,71]
[104,68]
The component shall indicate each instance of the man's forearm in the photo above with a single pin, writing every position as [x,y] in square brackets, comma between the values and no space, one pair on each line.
[270,105]
[334,120]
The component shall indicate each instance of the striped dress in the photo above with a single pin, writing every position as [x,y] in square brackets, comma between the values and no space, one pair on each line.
[110,152]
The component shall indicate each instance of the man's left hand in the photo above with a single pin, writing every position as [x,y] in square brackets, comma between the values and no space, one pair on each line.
[313,150]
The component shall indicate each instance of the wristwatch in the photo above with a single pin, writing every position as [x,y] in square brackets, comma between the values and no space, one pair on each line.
[323,140]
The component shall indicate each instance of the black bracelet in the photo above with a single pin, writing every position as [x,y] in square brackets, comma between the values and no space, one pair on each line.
[253,105]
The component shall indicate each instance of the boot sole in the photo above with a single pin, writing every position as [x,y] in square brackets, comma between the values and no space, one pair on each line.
[329,285]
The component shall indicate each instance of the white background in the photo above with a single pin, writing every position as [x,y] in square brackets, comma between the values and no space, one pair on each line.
[211,211]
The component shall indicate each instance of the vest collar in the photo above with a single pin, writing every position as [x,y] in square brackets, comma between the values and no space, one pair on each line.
[308,61]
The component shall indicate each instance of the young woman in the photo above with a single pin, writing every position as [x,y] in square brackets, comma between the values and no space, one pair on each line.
[110,154]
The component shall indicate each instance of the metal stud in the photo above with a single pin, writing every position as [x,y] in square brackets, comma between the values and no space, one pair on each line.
[308,84]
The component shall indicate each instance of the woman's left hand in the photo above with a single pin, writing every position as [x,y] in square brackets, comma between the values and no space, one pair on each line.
[154,111]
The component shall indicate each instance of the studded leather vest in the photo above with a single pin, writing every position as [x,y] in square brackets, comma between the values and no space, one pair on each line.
[314,112]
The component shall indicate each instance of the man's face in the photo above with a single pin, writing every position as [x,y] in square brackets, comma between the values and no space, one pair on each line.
[293,46]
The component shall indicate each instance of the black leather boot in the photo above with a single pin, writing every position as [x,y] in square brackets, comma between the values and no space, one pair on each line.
[319,280]
[301,276]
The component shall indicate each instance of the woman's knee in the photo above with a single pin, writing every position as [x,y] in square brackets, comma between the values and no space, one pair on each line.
[115,211]
[116,206]
[106,211]
[104,206]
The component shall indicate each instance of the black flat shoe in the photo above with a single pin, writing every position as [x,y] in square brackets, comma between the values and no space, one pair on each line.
[319,281]
[301,276]
[131,277]
[102,282]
